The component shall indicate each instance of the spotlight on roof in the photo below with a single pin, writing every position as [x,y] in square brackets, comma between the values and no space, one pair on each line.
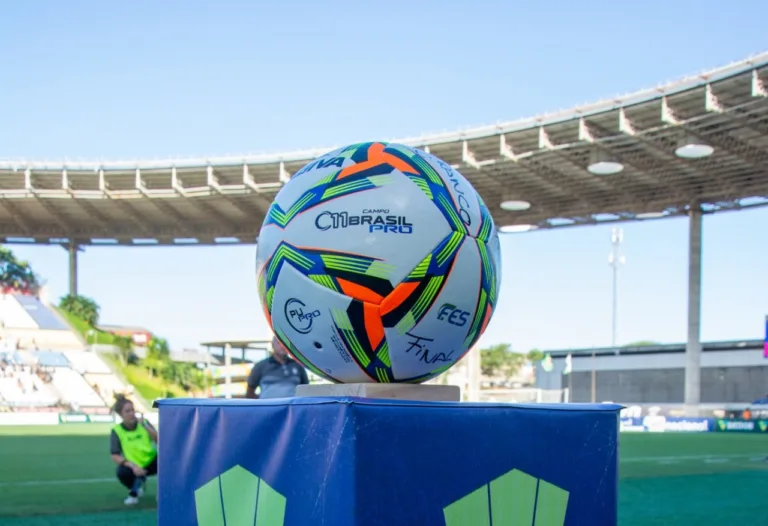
[692,148]
[515,205]
[600,163]
[516,229]
[650,215]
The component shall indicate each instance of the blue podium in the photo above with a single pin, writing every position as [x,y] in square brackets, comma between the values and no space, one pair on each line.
[352,461]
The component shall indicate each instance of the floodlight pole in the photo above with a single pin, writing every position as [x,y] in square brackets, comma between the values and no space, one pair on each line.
[615,260]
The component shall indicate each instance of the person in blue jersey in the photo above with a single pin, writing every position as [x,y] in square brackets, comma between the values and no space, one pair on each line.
[133,446]
[276,376]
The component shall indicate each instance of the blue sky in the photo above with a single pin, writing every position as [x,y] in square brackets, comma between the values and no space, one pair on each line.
[88,80]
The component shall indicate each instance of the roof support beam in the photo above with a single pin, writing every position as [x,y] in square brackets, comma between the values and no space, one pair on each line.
[648,171]
[262,203]
[750,154]
[544,141]
[759,88]
[91,210]
[585,133]
[284,175]
[144,226]
[213,182]
[178,219]
[667,114]
[17,216]
[467,157]
[505,150]
[164,208]
[554,178]
[711,102]
[60,218]
[625,123]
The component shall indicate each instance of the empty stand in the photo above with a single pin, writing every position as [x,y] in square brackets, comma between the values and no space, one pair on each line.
[35,326]
[87,362]
[42,316]
[24,391]
[13,314]
[74,389]
[77,378]
[50,359]
[20,385]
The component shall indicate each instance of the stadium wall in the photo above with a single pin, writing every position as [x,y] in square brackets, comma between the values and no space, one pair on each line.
[731,373]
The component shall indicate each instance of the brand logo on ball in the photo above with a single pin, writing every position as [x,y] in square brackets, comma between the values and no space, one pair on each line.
[298,316]
[452,315]
[323,162]
[377,220]
[461,199]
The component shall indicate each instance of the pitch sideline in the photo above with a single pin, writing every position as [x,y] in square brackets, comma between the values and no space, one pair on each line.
[678,458]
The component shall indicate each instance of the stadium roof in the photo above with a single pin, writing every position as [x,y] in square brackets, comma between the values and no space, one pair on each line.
[730,345]
[538,166]
[238,344]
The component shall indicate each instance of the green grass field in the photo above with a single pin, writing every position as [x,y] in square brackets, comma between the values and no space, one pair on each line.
[63,476]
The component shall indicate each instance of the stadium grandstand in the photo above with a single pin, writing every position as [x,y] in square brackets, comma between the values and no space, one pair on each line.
[733,374]
[45,366]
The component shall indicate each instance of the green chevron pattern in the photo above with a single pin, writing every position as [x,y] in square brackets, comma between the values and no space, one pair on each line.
[513,499]
[238,498]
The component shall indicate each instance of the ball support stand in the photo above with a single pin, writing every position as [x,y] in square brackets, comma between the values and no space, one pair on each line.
[384,455]
[412,392]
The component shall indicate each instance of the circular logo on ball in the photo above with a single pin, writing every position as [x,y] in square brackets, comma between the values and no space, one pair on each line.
[299,316]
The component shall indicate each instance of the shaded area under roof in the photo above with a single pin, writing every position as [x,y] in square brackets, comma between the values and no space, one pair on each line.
[542,161]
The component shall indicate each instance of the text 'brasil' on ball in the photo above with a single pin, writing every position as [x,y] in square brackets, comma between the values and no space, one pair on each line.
[374,220]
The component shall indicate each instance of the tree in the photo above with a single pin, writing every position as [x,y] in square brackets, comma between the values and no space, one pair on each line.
[81,307]
[499,360]
[124,346]
[158,356]
[535,355]
[16,275]
[158,347]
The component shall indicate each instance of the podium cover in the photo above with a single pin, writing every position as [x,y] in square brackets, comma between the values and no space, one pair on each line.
[352,461]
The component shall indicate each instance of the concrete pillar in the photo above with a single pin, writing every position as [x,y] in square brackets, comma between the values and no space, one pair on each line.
[73,249]
[693,343]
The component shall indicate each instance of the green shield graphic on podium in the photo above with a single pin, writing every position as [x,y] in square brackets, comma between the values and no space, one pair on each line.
[513,499]
[237,497]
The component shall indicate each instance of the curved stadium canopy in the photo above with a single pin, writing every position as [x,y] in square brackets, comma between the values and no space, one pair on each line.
[698,142]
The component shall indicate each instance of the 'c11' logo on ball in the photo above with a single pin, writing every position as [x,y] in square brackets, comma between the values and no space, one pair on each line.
[377,220]
[299,318]
[452,315]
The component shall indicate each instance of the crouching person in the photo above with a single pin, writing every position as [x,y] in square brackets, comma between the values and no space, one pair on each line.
[133,445]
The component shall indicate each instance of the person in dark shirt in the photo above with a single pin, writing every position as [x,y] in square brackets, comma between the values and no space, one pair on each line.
[276,376]
[133,446]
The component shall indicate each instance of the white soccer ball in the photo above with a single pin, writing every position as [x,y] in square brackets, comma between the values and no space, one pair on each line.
[378,263]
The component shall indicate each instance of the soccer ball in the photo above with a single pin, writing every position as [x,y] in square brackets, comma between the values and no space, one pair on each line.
[378,263]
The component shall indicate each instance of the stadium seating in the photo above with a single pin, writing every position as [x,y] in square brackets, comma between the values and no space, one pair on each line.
[87,362]
[35,339]
[50,359]
[43,317]
[26,320]
[13,314]
[106,385]
[74,389]
[19,386]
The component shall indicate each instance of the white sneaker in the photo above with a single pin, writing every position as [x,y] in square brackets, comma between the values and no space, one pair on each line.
[140,492]
[130,501]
